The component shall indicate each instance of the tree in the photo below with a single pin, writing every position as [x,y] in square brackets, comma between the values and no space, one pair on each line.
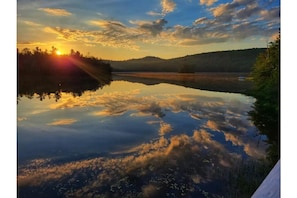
[265,115]
[54,50]
[26,51]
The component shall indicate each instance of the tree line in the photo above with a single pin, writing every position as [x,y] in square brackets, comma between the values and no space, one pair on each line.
[45,72]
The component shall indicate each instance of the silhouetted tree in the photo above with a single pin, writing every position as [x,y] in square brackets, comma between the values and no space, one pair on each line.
[26,51]
[54,50]
[72,52]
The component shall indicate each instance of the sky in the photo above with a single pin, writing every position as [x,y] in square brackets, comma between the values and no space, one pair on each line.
[125,29]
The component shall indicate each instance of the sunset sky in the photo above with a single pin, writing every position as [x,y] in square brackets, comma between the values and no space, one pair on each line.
[124,29]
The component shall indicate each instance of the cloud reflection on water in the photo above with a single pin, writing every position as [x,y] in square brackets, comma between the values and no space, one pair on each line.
[180,154]
[200,151]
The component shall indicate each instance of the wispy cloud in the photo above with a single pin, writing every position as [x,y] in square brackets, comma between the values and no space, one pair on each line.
[110,112]
[62,122]
[201,20]
[34,44]
[272,14]
[108,24]
[56,11]
[248,11]
[112,36]
[31,23]
[113,33]
[207,2]
[152,13]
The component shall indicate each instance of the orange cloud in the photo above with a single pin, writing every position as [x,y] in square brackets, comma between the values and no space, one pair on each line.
[56,11]
[62,122]
[107,112]
[167,6]
[207,2]
[212,125]
[164,128]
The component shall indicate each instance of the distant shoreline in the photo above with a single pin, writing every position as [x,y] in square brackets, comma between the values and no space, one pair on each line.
[233,82]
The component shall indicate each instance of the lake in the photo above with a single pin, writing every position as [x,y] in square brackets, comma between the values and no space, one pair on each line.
[136,139]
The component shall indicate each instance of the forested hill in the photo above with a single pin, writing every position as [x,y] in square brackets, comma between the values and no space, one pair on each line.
[220,61]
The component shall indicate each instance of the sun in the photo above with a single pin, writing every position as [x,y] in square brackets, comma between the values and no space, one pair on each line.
[58,53]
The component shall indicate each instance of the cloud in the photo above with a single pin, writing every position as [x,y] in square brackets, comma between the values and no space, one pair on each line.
[238,19]
[214,113]
[212,125]
[108,112]
[229,21]
[167,6]
[112,35]
[31,23]
[152,108]
[158,163]
[248,11]
[154,27]
[201,20]
[207,2]
[252,147]
[195,35]
[165,128]
[216,26]
[224,12]
[62,122]
[152,13]
[228,11]
[178,143]
[272,14]
[108,24]
[245,29]
[56,11]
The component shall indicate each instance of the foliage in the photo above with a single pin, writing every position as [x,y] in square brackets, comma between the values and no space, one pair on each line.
[265,115]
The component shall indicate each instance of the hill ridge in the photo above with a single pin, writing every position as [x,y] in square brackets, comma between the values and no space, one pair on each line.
[240,60]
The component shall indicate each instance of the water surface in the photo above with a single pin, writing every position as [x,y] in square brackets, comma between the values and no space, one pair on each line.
[134,140]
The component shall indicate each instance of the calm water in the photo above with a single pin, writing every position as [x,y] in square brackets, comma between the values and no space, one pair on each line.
[134,140]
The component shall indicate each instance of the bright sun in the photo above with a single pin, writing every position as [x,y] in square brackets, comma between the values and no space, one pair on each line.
[58,52]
